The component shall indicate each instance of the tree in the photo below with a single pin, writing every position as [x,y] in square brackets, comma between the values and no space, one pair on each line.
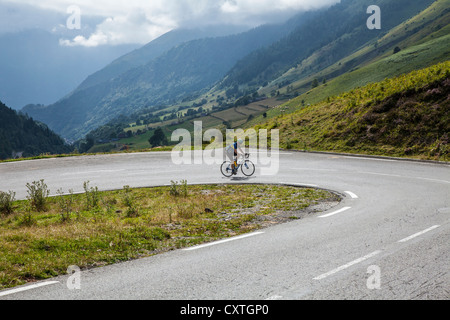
[158,138]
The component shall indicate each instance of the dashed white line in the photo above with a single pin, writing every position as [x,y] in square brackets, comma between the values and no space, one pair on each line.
[30,287]
[351,194]
[223,241]
[335,212]
[274,298]
[419,234]
[348,265]
[313,169]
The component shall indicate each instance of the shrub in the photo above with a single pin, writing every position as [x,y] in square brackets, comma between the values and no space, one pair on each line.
[38,193]
[92,196]
[129,201]
[177,190]
[6,202]
[65,204]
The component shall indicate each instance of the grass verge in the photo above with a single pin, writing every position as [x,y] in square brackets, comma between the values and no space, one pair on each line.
[100,228]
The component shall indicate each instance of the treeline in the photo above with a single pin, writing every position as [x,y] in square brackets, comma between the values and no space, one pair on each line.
[21,136]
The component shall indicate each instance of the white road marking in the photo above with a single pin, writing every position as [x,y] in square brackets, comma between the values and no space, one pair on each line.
[335,212]
[434,180]
[351,194]
[419,233]
[373,159]
[348,265]
[30,287]
[91,172]
[312,169]
[223,241]
[274,298]
[382,174]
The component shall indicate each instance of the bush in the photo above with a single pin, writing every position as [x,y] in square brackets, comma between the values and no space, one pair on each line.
[177,190]
[38,193]
[6,202]
[92,196]
[65,204]
[130,202]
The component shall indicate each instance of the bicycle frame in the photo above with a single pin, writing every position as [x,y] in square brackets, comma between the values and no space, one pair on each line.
[240,162]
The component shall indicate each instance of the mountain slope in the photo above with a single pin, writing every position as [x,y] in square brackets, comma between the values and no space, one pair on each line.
[178,73]
[422,30]
[423,41]
[152,50]
[22,135]
[339,31]
[404,116]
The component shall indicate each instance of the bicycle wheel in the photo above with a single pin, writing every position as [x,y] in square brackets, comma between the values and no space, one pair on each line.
[248,168]
[226,169]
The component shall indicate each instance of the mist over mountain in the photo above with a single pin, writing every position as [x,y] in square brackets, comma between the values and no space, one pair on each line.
[35,68]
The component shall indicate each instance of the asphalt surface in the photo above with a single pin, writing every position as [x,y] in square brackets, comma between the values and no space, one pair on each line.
[387,239]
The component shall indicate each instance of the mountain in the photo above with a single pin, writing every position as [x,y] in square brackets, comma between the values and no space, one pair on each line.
[34,68]
[179,72]
[425,35]
[408,115]
[236,65]
[154,49]
[337,33]
[418,42]
[21,135]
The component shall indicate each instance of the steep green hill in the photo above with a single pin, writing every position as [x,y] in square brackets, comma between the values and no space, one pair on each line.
[424,35]
[333,35]
[22,136]
[404,116]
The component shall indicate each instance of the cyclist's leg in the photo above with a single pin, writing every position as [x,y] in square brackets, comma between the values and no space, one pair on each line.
[230,155]
[235,159]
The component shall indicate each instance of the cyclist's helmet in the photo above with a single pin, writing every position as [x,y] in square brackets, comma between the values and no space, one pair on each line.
[240,141]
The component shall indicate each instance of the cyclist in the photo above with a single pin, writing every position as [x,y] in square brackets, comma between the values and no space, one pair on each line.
[233,150]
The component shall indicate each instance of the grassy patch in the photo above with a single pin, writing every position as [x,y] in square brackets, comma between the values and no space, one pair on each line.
[132,223]
[406,116]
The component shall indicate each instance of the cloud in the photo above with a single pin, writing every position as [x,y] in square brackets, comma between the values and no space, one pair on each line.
[135,27]
[140,21]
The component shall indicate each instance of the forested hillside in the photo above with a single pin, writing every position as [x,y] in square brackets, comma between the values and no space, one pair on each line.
[21,135]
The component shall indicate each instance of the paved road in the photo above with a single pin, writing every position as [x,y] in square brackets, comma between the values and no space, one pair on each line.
[388,239]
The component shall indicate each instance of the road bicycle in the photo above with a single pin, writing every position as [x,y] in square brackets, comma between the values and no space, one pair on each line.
[247,167]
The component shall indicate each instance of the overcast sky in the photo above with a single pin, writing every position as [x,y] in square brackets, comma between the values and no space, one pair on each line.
[113,22]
